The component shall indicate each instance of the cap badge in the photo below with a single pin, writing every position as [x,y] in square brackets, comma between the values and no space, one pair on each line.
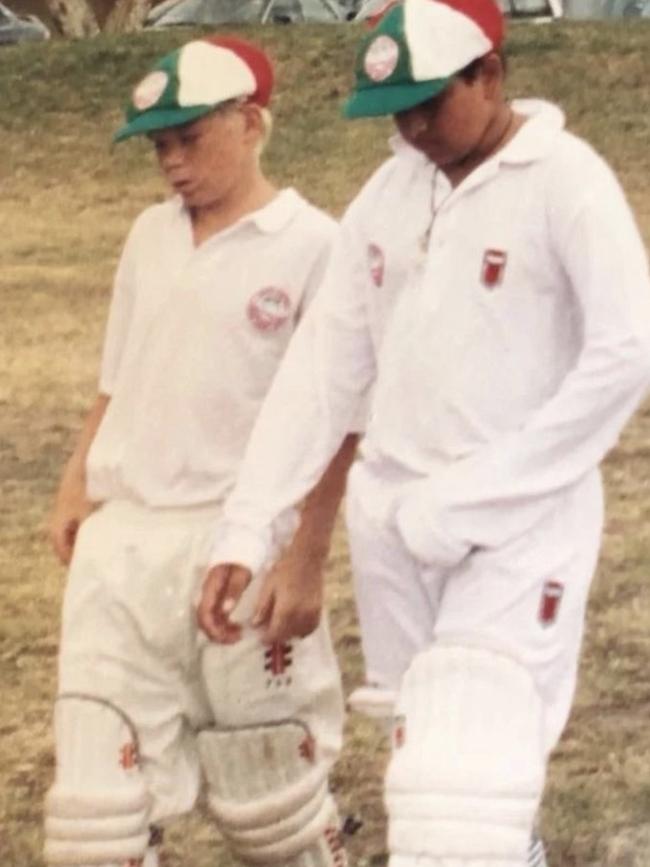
[150,89]
[381,58]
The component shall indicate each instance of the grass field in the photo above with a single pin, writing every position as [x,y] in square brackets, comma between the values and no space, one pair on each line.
[66,202]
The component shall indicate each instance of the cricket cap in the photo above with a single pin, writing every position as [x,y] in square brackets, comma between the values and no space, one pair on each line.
[416,48]
[195,79]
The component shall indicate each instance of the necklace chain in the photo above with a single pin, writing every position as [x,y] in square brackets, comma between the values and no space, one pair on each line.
[433,207]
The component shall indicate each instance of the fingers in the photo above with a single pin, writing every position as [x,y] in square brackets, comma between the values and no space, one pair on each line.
[286,623]
[63,537]
[222,590]
[264,607]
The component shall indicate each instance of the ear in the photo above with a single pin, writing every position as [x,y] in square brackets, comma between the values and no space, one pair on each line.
[254,127]
[492,75]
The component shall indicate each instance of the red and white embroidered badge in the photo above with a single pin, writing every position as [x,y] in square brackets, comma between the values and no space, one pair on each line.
[493,268]
[376,264]
[129,757]
[381,58]
[269,309]
[307,748]
[399,732]
[149,90]
[549,605]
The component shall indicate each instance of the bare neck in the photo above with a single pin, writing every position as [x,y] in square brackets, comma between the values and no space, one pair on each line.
[250,196]
[502,128]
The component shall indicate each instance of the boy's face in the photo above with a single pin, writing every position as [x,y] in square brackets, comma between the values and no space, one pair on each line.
[449,127]
[203,161]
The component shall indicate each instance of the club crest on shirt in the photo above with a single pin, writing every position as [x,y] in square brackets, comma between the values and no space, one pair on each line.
[493,268]
[549,605]
[269,309]
[376,264]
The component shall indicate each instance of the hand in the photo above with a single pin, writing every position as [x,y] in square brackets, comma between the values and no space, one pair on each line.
[423,524]
[70,510]
[222,590]
[291,599]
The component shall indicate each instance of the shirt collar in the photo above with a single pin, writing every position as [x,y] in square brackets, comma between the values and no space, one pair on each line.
[537,136]
[272,218]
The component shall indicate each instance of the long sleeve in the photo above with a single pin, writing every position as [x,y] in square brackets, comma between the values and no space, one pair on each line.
[504,487]
[311,406]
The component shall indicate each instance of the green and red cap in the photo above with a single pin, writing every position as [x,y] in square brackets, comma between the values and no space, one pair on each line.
[416,48]
[194,80]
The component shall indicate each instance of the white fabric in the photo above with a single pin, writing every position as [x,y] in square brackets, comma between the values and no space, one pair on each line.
[268,791]
[209,74]
[195,335]
[98,809]
[373,702]
[493,398]
[441,40]
[129,637]
[467,779]
[495,595]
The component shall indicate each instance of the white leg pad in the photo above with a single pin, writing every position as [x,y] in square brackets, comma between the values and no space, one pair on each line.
[268,792]
[465,783]
[97,811]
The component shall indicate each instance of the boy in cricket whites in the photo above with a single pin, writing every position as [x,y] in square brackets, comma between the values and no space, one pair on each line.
[209,288]
[490,283]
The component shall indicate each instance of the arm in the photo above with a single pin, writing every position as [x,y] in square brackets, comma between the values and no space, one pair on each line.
[501,491]
[291,596]
[312,405]
[71,505]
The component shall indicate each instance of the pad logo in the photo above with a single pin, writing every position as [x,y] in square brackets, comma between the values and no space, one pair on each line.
[376,264]
[381,58]
[307,749]
[399,732]
[150,89]
[269,309]
[494,268]
[278,659]
[549,605]
[335,845]
[129,756]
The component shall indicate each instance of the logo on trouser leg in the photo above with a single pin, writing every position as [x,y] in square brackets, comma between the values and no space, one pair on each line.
[278,659]
[549,605]
[307,748]
[129,757]
[399,732]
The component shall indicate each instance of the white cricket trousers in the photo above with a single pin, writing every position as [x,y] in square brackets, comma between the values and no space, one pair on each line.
[129,638]
[527,599]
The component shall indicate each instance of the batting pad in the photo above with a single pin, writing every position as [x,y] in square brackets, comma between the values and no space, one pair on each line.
[97,810]
[466,782]
[268,793]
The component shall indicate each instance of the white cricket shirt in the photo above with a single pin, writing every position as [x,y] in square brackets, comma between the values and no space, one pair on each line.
[505,324]
[194,337]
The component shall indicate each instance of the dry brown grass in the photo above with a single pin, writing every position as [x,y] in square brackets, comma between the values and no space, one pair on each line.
[67,201]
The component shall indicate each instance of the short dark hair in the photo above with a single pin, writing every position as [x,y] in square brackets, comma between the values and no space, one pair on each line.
[471,72]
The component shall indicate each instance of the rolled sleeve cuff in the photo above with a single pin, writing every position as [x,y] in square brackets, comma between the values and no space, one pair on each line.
[240,545]
[422,533]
